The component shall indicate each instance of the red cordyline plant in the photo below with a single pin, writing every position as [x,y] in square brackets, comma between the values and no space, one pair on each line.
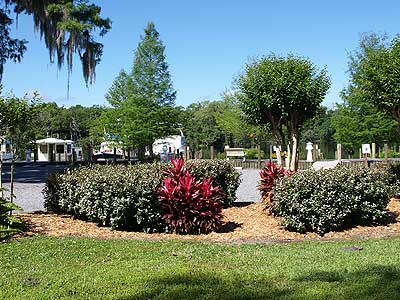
[189,205]
[269,174]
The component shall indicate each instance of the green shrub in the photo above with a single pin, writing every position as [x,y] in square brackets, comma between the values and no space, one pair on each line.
[252,153]
[221,155]
[223,174]
[8,224]
[391,154]
[123,197]
[330,200]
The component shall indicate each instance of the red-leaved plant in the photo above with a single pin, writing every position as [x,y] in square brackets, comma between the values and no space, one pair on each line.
[269,175]
[189,205]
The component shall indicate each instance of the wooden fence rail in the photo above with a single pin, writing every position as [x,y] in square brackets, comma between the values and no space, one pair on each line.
[304,165]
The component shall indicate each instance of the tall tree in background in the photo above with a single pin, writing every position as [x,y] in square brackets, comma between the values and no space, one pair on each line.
[143,100]
[283,92]
[120,89]
[200,124]
[67,27]
[150,75]
[232,122]
[370,110]
[374,73]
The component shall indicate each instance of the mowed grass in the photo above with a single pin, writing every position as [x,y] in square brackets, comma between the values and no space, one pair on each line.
[82,268]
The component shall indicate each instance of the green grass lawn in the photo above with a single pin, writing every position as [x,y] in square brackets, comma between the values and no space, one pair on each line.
[82,268]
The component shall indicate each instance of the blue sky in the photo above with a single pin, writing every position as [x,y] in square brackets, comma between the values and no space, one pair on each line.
[207,43]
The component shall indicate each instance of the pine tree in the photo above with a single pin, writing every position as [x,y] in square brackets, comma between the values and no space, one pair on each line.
[151,78]
[120,89]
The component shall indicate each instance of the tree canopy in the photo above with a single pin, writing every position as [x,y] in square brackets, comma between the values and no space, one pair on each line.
[374,73]
[10,49]
[283,92]
[150,74]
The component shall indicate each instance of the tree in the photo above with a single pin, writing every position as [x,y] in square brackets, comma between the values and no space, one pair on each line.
[120,90]
[282,92]
[200,125]
[10,49]
[138,121]
[17,118]
[67,27]
[143,100]
[150,75]
[231,120]
[374,75]
[357,121]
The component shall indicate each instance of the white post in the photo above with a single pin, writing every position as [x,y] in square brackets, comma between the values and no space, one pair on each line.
[309,149]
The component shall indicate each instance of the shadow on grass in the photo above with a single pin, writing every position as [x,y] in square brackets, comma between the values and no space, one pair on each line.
[207,286]
[374,282]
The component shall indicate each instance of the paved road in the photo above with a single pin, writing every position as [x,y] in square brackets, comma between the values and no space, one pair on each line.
[247,191]
[30,180]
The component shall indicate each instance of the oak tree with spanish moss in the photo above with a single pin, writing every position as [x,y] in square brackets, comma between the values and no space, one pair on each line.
[67,27]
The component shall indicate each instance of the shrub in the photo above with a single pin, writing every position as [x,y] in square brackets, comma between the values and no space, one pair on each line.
[123,197]
[252,153]
[8,224]
[391,154]
[189,205]
[328,200]
[223,173]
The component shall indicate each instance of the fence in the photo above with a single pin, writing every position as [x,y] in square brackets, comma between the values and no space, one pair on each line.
[304,165]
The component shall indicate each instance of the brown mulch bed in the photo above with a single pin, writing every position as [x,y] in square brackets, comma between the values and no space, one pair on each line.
[245,224]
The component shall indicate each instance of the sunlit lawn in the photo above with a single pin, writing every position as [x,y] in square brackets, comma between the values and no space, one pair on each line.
[82,268]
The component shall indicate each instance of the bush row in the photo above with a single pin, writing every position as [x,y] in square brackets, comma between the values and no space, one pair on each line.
[329,200]
[125,197]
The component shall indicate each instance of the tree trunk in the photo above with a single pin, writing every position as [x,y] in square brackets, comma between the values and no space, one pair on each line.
[278,156]
[12,196]
[1,176]
[288,157]
[293,160]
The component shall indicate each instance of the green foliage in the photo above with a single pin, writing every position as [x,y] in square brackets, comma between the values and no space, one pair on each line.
[282,92]
[125,197]
[223,174]
[9,224]
[120,90]
[150,74]
[358,121]
[17,120]
[68,27]
[143,100]
[200,125]
[373,71]
[77,122]
[252,153]
[391,154]
[331,200]
[11,49]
